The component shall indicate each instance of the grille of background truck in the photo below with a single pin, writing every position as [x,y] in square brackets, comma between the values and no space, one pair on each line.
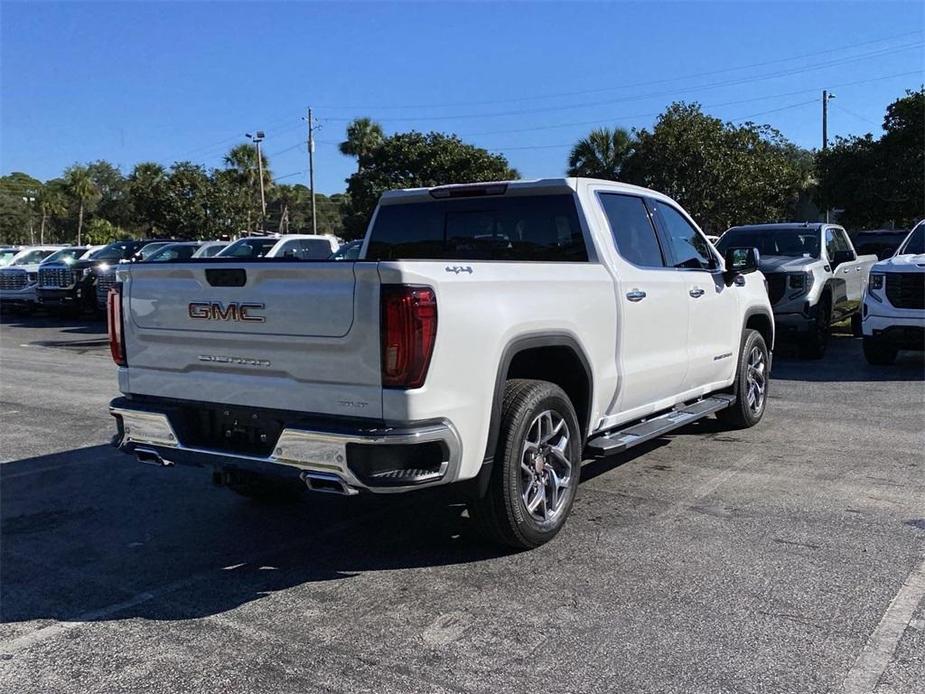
[104,280]
[12,279]
[906,289]
[56,277]
[777,285]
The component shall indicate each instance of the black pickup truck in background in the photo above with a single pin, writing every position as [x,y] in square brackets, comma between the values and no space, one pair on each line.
[72,286]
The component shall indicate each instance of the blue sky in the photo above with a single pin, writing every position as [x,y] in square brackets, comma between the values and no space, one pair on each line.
[161,81]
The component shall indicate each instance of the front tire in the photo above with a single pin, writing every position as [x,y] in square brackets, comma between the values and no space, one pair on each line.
[878,352]
[534,477]
[751,384]
[817,340]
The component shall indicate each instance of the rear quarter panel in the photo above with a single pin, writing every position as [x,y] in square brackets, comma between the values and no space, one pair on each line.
[479,313]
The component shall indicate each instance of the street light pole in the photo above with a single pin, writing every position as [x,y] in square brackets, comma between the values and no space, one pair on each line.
[257,138]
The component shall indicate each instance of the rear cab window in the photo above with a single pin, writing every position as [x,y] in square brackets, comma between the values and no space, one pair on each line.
[543,228]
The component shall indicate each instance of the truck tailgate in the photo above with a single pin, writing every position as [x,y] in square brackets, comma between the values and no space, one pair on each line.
[284,335]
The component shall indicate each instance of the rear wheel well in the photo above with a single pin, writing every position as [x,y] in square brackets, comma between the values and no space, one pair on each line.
[557,364]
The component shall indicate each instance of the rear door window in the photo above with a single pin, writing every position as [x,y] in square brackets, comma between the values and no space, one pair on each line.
[632,230]
[524,228]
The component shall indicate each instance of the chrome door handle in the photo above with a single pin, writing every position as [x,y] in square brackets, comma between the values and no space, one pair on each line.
[636,295]
[696,292]
[857,269]
[846,270]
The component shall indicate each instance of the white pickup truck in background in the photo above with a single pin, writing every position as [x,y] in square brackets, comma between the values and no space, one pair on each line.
[894,303]
[492,335]
[815,277]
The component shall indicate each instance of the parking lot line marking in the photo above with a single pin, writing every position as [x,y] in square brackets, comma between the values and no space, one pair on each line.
[878,651]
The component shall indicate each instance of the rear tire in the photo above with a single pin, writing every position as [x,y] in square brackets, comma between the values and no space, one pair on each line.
[814,344]
[751,384]
[878,352]
[537,465]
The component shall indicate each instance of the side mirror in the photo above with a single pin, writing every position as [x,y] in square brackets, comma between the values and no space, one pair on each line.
[741,261]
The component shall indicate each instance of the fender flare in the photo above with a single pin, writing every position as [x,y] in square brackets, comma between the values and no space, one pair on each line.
[514,347]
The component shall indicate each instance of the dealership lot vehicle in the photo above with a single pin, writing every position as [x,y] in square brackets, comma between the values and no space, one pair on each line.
[705,561]
[72,286]
[19,277]
[815,278]
[894,303]
[7,253]
[208,249]
[296,246]
[879,242]
[572,338]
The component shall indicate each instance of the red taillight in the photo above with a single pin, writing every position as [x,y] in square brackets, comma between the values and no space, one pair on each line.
[409,328]
[114,324]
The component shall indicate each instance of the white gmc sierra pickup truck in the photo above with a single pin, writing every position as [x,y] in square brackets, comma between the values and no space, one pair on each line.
[492,334]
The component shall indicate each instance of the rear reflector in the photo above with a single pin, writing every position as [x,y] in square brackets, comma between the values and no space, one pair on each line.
[408,329]
[114,324]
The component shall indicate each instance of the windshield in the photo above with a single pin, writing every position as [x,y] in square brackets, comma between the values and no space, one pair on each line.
[175,251]
[209,250]
[7,256]
[115,251]
[915,244]
[32,257]
[65,254]
[791,243]
[248,248]
[149,250]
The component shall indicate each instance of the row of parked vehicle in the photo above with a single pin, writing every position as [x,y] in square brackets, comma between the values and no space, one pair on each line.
[78,278]
[816,276]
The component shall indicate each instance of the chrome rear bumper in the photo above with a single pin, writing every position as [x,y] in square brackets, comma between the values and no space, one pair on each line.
[319,458]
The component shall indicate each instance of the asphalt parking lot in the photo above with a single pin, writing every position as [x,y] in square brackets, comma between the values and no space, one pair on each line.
[785,558]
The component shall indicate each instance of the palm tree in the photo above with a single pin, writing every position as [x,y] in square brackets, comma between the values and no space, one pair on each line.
[601,154]
[81,187]
[51,203]
[241,161]
[363,136]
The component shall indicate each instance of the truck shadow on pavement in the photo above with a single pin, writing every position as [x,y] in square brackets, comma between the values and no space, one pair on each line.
[76,325]
[844,361]
[91,535]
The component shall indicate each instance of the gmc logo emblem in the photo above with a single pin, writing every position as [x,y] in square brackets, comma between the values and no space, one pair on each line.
[216,310]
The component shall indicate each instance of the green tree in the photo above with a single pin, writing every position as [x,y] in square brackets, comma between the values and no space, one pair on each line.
[414,159]
[145,189]
[101,231]
[241,161]
[114,202]
[364,135]
[52,202]
[20,193]
[879,181]
[723,174]
[82,190]
[601,154]
[185,203]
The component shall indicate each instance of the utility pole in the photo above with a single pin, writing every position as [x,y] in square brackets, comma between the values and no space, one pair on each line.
[311,167]
[825,129]
[257,138]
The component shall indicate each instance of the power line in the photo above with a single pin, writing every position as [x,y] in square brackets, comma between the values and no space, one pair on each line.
[639,97]
[839,107]
[634,84]
[733,120]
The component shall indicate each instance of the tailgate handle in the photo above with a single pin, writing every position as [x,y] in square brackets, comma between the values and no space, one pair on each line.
[226,277]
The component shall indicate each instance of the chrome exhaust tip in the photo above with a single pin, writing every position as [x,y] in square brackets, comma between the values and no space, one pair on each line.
[150,457]
[328,483]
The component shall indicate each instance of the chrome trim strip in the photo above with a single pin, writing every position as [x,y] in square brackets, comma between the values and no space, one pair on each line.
[303,449]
